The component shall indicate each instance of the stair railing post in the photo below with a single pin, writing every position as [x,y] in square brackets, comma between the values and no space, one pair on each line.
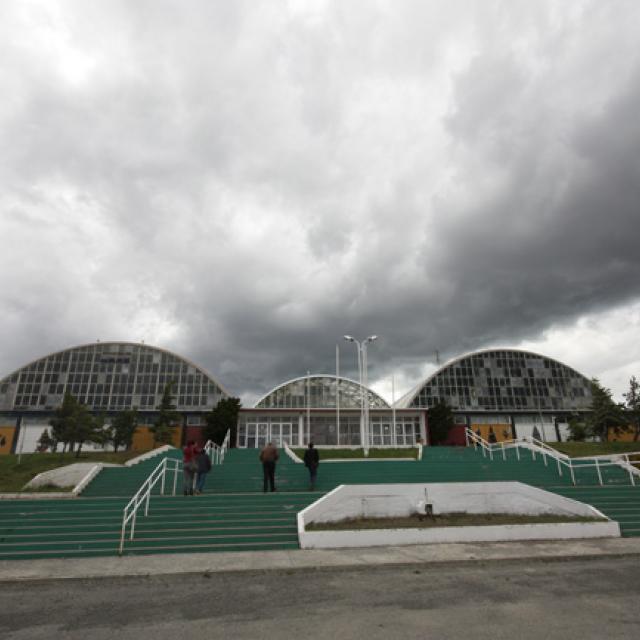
[504,455]
[133,522]
[518,451]
[544,457]
[559,467]
[175,477]
[164,473]
[598,470]
[123,532]
[573,477]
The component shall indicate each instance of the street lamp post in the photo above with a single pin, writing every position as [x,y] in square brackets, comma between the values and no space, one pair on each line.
[361,347]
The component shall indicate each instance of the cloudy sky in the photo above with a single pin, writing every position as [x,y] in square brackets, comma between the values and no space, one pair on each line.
[244,182]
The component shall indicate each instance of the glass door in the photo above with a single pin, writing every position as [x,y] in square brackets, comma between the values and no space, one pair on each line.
[276,435]
[251,435]
[262,435]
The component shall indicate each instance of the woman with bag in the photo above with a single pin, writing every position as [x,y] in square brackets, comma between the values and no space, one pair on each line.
[189,467]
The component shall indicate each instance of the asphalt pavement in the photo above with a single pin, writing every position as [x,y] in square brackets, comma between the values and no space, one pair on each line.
[570,597]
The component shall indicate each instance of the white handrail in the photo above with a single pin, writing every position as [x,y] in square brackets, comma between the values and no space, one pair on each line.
[217,452]
[143,496]
[562,459]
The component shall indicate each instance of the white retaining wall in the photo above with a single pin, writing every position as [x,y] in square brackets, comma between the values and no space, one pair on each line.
[402,500]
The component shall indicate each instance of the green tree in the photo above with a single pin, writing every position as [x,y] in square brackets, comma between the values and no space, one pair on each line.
[73,424]
[577,430]
[440,419]
[168,418]
[632,401]
[122,428]
[63,422]
[605,413]
[88,428]
[222,417]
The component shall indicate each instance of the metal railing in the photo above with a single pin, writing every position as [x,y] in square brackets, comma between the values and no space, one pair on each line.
[217,452]
[562,460]
[142,497]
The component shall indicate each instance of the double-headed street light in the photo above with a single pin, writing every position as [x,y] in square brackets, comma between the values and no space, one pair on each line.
[361,347]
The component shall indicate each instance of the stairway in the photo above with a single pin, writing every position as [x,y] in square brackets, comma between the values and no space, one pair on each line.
[620,503]
[242,471]
[616,497]
[125,481]
[234,514]
[91,527]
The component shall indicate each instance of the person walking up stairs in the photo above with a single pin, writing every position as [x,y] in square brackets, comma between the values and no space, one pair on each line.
[269,456]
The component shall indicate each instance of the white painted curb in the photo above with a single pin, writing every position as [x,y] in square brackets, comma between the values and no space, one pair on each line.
[149,454]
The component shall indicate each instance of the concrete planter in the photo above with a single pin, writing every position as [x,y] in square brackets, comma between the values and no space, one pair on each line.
[403,500]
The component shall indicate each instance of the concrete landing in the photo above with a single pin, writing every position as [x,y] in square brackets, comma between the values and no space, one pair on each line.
[311,560]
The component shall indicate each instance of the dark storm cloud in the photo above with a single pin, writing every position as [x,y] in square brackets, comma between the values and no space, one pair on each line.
[244,183]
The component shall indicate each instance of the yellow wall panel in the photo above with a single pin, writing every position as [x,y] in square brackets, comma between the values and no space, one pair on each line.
[143,439]
[6,438]
[502,431]
[621,436]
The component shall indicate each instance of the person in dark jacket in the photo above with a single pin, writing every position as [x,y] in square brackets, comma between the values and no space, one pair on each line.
[269,456]
[203,462]
[312,462]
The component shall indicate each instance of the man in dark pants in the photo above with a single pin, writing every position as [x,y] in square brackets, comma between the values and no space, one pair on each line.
[312,461]
[268,457]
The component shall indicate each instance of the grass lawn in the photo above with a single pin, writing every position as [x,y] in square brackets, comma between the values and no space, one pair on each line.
[14,476]
[580,449]
[445,520]
[346,454]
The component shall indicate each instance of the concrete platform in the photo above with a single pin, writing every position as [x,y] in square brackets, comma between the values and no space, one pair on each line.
[306,560]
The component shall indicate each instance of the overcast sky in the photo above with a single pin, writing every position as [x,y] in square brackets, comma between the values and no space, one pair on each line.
[245,182]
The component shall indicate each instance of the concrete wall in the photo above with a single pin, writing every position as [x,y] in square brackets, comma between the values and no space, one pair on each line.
[355,501]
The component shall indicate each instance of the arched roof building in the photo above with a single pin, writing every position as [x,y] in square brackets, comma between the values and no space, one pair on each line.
[326,410]
[319,392]
[109,376]
[503,380]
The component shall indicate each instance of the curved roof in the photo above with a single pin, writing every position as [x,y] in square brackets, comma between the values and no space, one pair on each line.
[110,376]
[502,380]
[321,390]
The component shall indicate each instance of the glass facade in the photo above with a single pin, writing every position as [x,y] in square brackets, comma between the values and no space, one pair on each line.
[319,392]
[256,429]
[505,380]
[109,376]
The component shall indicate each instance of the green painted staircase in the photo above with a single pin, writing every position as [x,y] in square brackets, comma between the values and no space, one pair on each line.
[125,481]
[242,471]
[620,503]
[91,526]
[234,514]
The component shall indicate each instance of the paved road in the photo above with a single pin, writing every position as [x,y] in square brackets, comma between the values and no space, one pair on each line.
[573,599]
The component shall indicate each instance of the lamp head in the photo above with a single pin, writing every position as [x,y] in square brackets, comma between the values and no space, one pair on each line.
[349,339]
[372,338]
